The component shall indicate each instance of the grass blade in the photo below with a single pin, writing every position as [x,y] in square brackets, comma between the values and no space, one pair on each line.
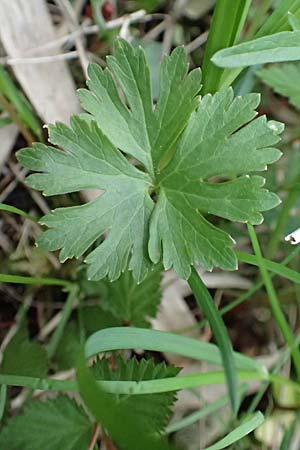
[65,315]
[277,268]
[142,387]
[241,431]
[278,20]
[126,338]
[21,104]
[14,210]
[203,412]
[146,387]
[17,279]
[219,330]
[3,397]
[274,302]
[227,22]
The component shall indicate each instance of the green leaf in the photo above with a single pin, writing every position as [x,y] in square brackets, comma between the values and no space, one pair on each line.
[20,103]
[193,156]
[58,424]
[206,149]
[142,131]
[67,350]
[278,20]
[125,338]
[153,410]
[227,22]
[93,319]
[241,431]
[23,357]
[284,80]
[123,426]
[92,161]
[14,210]
[272,266]
[294,21]
[277,47]
[133,303]
[219,330]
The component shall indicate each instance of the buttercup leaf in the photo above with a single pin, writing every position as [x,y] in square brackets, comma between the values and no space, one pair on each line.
[192,159]
[284,79]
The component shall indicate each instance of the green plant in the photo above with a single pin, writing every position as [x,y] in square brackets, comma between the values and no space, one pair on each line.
[167,170]
[144,207]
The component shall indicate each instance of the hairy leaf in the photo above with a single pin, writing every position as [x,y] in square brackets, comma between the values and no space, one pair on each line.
[93,319]
[153,409]
[50,425]
[284,79]
[192,160]
[23,357]
[125,428]
[133,303]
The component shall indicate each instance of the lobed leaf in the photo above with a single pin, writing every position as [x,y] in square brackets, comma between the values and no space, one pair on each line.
[23,357]
[130,302]
[193,160]
[284,79]
[152,410]
[48,425]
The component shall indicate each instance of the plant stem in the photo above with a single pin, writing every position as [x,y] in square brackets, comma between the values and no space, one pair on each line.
[258,396]
[97,13]
[65,315]
[274,302]
[156,386]
[281,223]
[3,397]
[5,278]
[15,118]
[219,330]
[94,437]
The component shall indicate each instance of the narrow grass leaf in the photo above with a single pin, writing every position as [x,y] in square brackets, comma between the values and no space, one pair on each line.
[14,210]
[274,302]
[227,23]
[122,338]
[277,268]
[3,397]
[20,103]
[219,330]
[18,279]
[203,412]
[279,19]
[241,431]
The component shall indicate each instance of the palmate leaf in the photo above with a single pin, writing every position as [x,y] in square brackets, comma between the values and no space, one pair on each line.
[153,410]
[183,147]
[48,425]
